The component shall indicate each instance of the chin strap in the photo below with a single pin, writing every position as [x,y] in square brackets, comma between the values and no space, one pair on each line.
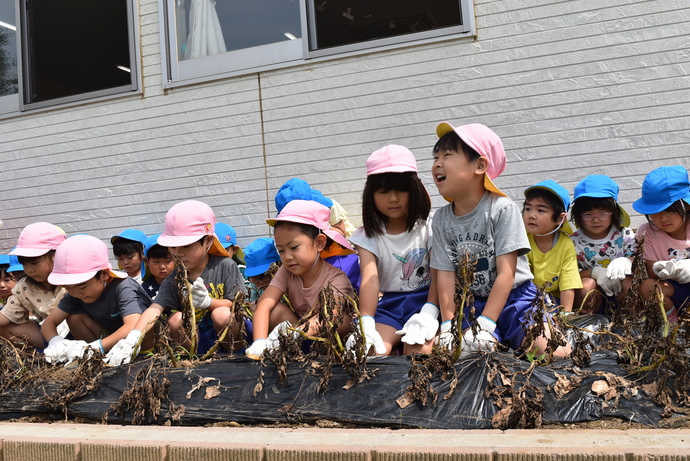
[560,224]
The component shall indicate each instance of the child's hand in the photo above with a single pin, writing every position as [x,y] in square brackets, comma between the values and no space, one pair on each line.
[200,297]
[371,336]
[256,350]
[664,269]
[445,337]
[611,287]
[273,341]
[619,268]
[55,351]
[682,271]
[122,352]
[483,340]
[421,327]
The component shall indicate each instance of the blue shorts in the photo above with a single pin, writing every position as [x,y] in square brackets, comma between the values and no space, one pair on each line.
[509,328]
[395,309]
[681,293]
[208,336]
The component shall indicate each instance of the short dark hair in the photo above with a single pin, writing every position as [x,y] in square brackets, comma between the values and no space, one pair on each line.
[419,204]
[157,251]
[585,204]
[549,198]
[30,259]
[124,247]
[678,207]
[452,142]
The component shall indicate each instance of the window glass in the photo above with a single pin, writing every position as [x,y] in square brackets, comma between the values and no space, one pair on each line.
[346,22]
[205,27]
[8,50]
[77,48]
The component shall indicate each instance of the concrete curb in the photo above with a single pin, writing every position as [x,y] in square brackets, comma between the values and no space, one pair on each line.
[87,442]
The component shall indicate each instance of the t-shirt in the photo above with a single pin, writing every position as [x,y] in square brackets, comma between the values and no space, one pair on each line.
[402,260]
[591,253]
[558,266]
[303,298]
[221,277]
[120,298]
[151,287]
[493,228]
[28,299]
[659,246]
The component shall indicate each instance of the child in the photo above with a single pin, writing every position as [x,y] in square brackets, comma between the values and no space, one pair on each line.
[552,259]
[394,247]
[260,255]
[604,243]
[10,273]
[666,202]
[101,305]
[159,264]
[334,254]
[214,276]
[128,248]
[33,295]
[301,233]
[483,222]
[228,238]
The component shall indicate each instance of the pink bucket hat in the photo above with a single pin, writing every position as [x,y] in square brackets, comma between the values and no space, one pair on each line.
[486,143]
[391,159]
[313,214]
[38,239]
[78,259]
[187,222]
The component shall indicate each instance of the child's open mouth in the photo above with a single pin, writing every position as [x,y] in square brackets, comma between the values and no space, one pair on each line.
[440,178]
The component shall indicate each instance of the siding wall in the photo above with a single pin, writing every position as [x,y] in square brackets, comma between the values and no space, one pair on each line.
[572,87]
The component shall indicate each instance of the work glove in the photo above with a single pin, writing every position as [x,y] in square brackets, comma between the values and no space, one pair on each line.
[611,287]
[371,336]
[664,269]
[122,352]
[682,272]
[483,340]
[422,326]
[619,268]
[256,350]
[445,337]
[273,341]
[75,350]
[200,297]
[55,352]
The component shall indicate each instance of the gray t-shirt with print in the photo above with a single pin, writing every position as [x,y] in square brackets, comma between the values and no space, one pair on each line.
[493,228]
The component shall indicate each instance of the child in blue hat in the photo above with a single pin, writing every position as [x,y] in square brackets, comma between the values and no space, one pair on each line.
[128,248]
[665,202]
[10,273]
[604,243]
[228,238]
[159,264]
[260,256]
[552,259]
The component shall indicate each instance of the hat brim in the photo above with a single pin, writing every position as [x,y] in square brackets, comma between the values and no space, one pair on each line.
[15,268]
[251,271]
[29,252]
[642,207]
[339,239]
[75,279]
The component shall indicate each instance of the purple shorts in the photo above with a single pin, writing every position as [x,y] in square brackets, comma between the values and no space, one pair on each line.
[395,309]
[509,328]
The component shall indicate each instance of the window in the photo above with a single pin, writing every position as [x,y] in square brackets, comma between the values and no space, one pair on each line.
[211,38]
[69,50]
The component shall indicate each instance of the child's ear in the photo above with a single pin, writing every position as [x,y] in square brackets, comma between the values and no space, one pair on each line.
[321,241]
[562,218]
[481,165]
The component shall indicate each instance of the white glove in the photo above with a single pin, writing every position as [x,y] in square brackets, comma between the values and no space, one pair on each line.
[273,341]
[483,340]
[256,349]
[445,337]
[619,268]
[200,297]
[75,350]
[122,352]
[611,287]
[371,336]
[682,272]
[55,351]
[421,327]
[664,269]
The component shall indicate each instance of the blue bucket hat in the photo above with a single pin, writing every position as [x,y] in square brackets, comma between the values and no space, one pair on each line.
[12,261]
[227,236]
[151,241]
[130,234]
[663,187]
[560,192]
[601,186]
[298,189]
[259,255]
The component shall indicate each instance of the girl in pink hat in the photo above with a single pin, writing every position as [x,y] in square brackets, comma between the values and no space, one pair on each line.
[302,231]
[215,277]
[33,295]
[101,305]
[394,247]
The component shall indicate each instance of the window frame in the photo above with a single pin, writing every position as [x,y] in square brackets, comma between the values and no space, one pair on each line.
[180,73]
